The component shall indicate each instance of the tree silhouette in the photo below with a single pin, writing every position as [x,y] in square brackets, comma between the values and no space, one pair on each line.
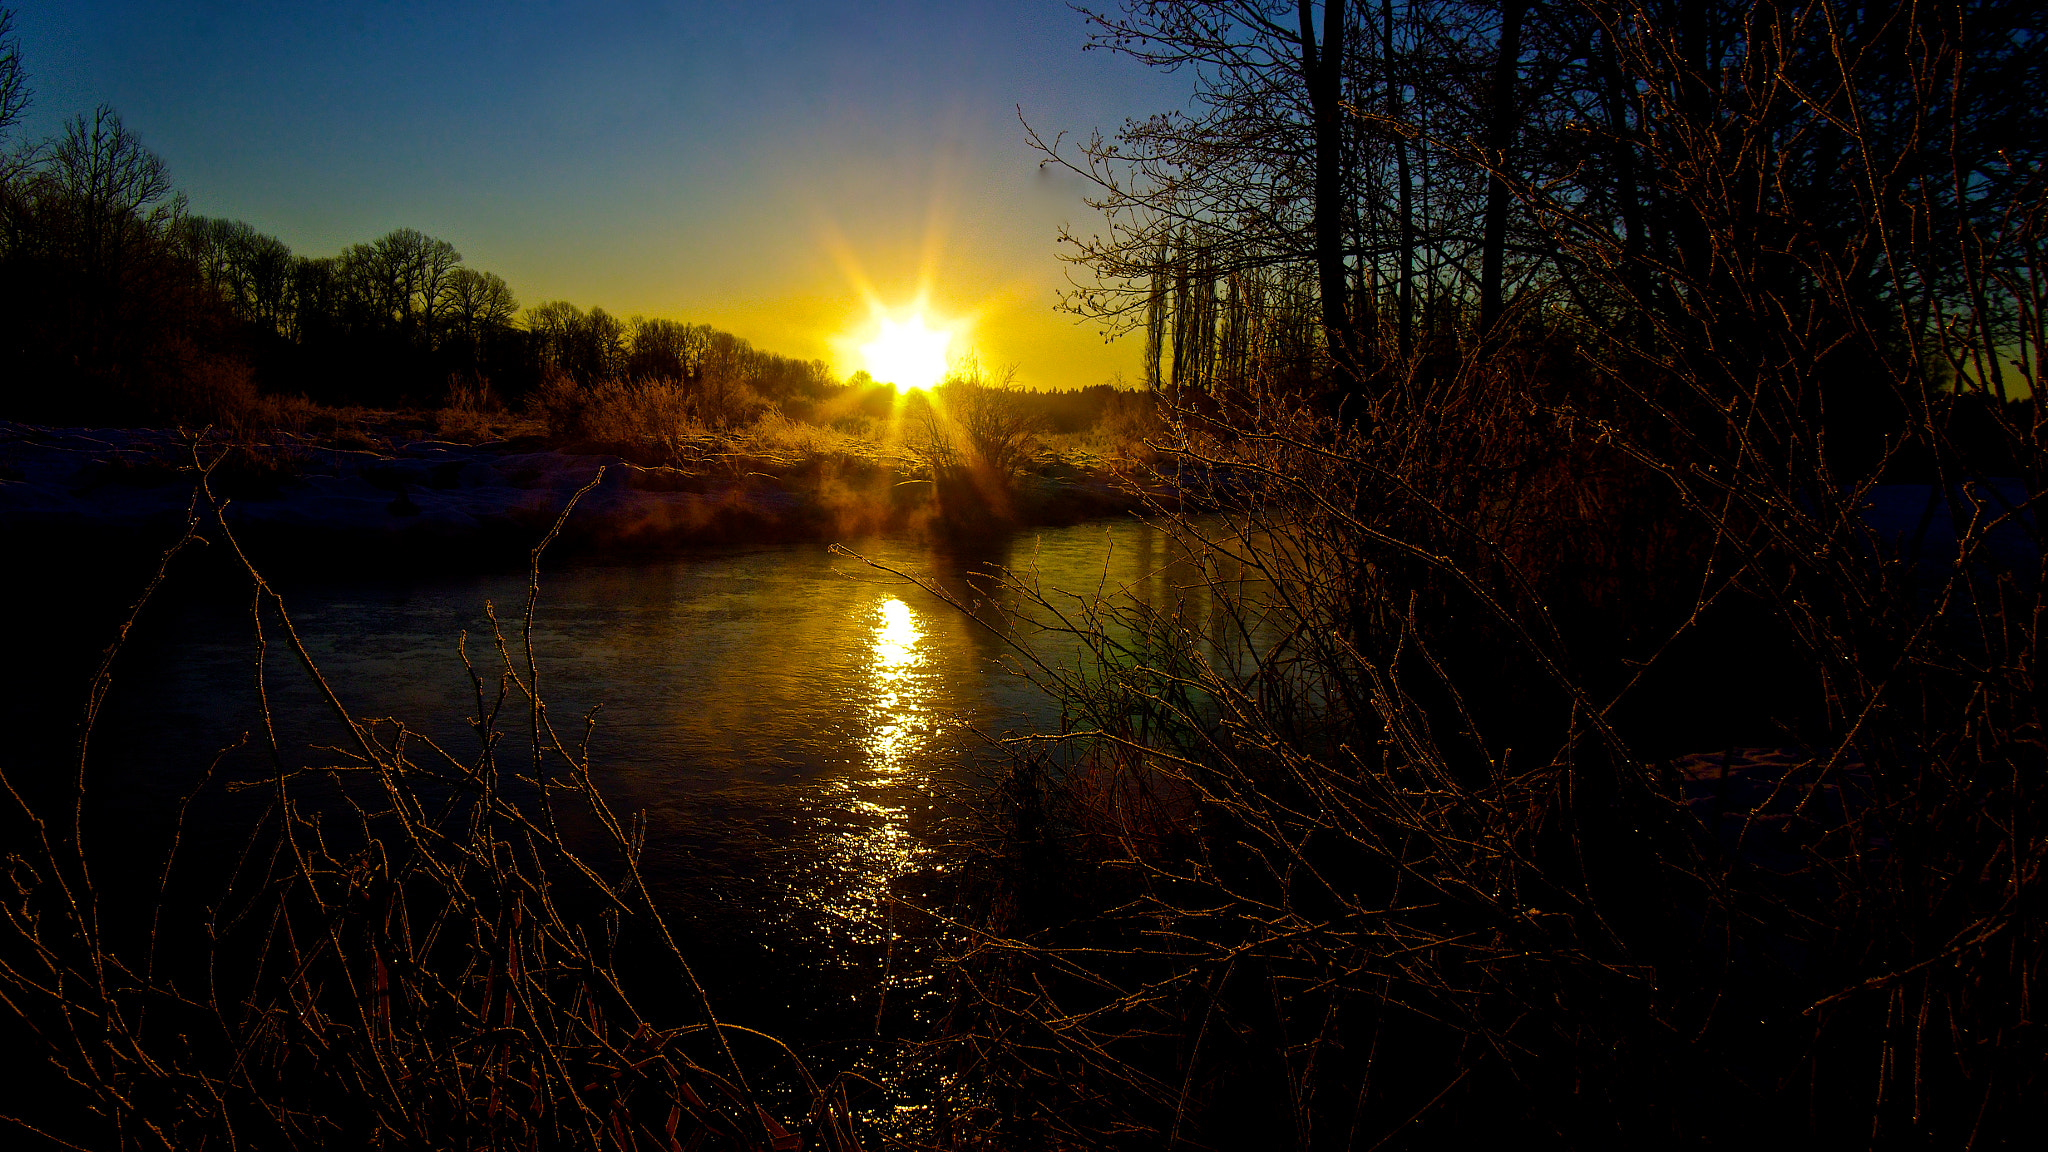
[14,91]
[102,311]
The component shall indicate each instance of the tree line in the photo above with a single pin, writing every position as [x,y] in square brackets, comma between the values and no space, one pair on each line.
[1358,187]
[119,304]
[405,308]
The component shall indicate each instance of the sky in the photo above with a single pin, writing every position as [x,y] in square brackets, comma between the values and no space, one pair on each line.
[778,170]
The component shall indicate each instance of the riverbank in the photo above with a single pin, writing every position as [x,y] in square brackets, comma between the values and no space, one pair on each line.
[415,498]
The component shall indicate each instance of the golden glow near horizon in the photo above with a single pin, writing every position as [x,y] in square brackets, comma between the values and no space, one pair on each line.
[908,354]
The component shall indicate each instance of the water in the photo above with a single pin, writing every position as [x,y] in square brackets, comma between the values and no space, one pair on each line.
[796,724]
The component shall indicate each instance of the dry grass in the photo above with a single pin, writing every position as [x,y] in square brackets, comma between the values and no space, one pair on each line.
[1122,441]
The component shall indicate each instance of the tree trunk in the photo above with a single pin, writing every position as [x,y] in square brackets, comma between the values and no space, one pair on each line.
[1493,244]
[1404,281]
[1322,72]
[1628,192]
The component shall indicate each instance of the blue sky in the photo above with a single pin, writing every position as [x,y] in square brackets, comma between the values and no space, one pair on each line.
[766,167]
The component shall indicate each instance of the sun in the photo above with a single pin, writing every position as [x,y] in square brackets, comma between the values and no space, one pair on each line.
[907,354]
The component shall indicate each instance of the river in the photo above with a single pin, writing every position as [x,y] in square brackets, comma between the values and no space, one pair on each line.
[798,723]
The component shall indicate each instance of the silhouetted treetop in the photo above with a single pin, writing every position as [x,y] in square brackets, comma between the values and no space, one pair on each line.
[14,92]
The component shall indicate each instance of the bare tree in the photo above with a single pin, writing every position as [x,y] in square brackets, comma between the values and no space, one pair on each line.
[403,278]
[1310,172]
[587,346]
[1500,140]
[479,302]
[251,271]
[14,91]
[666,349]
[116,192]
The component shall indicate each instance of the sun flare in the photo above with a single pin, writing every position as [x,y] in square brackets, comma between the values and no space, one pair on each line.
[907,354]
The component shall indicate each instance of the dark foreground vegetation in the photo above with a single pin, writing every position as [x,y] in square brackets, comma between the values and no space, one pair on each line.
[1625,726]
[1610,717]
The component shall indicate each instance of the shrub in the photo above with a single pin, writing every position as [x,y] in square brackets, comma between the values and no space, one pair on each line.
[973,435]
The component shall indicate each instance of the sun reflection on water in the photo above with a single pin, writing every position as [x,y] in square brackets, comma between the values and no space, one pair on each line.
[896,659]
[898,714]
